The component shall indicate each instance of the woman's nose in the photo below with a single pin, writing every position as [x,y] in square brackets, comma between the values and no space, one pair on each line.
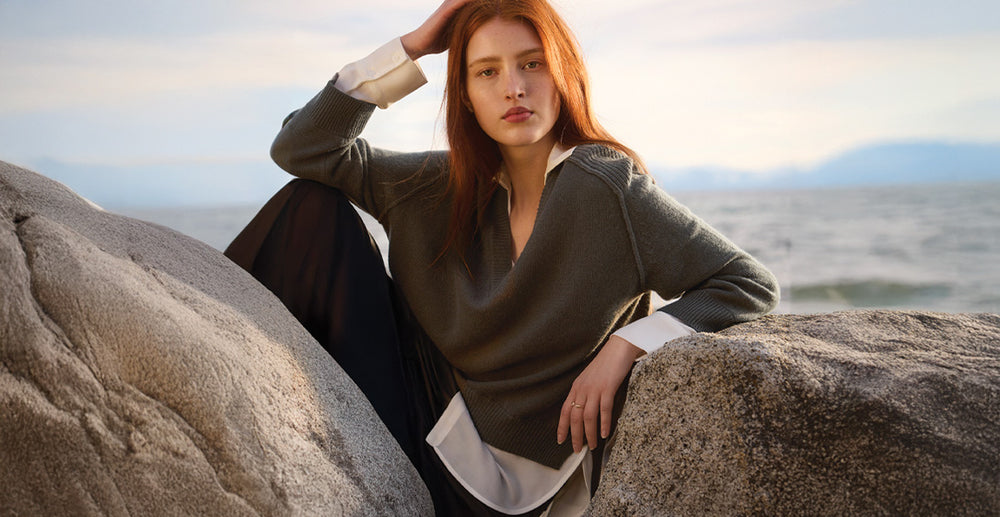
[515,86]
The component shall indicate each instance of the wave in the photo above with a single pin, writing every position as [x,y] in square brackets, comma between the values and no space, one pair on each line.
[870,293]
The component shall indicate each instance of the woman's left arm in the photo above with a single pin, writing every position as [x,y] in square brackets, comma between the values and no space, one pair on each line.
[718,283]
[678,254]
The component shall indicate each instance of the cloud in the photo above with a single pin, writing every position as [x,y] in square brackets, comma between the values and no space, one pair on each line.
[653,23]
[737,83]
[64,73]
[791,103]
[70,54]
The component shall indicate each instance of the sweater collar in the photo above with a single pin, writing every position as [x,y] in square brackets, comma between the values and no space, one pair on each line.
[556,156]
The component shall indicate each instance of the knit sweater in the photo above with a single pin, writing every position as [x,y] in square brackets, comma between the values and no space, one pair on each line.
[517,335]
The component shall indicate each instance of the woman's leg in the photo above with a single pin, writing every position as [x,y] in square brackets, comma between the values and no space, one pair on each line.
[310,248]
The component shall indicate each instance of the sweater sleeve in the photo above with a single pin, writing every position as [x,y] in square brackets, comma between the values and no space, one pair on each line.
[320,142]
[680,255]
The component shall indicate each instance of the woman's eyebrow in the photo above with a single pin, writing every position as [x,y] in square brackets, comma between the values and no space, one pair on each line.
[489,59]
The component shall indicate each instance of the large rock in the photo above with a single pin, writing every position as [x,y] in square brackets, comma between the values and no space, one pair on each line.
[851,413]
[143,373]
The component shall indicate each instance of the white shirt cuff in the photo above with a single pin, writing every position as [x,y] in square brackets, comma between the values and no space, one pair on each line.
[383,77]
[651,332]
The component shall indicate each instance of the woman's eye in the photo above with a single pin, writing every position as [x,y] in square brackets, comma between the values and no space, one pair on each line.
[531,65]
[487,73]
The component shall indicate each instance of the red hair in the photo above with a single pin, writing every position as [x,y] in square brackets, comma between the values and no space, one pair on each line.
[475,157]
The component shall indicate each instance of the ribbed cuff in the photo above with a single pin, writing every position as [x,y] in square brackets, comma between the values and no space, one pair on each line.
[701,312]
[336,112]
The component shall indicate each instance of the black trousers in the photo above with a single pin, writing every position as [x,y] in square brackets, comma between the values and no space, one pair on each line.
[310,248]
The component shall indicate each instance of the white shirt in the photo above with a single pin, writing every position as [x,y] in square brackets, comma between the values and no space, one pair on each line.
[503,481]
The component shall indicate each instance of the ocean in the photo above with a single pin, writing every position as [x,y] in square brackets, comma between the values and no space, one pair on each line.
[929,247]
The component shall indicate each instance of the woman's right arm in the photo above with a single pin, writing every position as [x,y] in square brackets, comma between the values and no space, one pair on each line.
[320,141]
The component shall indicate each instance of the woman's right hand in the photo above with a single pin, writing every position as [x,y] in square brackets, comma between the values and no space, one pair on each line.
[430,37]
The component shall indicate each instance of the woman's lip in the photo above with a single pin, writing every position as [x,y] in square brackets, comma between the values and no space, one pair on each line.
[517,114]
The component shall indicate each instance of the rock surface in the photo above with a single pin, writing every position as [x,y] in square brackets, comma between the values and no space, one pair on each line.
[143,373]
[851,413]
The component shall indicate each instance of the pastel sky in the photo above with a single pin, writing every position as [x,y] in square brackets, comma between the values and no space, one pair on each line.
[747,84]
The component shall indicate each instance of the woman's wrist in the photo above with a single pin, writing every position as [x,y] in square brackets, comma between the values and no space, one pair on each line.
[623,348]
[411,47]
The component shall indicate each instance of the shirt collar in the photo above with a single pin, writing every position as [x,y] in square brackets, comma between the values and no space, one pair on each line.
[556,156]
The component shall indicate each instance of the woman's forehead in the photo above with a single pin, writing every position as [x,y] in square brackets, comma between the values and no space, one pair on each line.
[500,38]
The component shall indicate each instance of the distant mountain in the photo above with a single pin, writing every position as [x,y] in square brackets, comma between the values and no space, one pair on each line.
[878,164]
[231,183]
[170,184]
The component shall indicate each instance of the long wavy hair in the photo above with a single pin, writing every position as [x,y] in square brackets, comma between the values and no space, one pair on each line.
[475,157]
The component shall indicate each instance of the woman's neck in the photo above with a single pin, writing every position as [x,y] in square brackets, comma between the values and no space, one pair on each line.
[525,167]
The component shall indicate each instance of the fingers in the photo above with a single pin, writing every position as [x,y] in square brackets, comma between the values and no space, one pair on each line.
[591,413]
[588,410]
[580,421]
[429,37]
[607,410]
[563,427]
[574,422]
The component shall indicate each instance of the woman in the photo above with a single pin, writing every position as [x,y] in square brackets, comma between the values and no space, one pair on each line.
[526,254]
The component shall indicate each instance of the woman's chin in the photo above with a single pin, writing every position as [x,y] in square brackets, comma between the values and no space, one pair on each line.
[522,141]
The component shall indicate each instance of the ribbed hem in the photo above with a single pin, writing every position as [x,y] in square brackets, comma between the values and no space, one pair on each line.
[530,436]
[526,436]
[337,112]
[532,439]
[701,312]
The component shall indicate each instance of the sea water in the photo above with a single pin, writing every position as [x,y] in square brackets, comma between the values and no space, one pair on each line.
[931,247]
[934,247]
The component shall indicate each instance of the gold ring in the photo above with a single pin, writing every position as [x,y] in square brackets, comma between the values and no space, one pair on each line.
[574,404]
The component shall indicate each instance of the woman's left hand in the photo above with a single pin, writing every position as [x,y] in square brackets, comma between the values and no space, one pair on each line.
[592,397]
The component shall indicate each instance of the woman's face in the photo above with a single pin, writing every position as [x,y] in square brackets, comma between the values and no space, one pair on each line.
[510,87]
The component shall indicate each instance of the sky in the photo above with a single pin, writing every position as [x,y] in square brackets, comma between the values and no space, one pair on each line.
[753,85]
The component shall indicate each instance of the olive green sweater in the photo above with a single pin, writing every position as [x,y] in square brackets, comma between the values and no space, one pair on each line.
[518,335]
